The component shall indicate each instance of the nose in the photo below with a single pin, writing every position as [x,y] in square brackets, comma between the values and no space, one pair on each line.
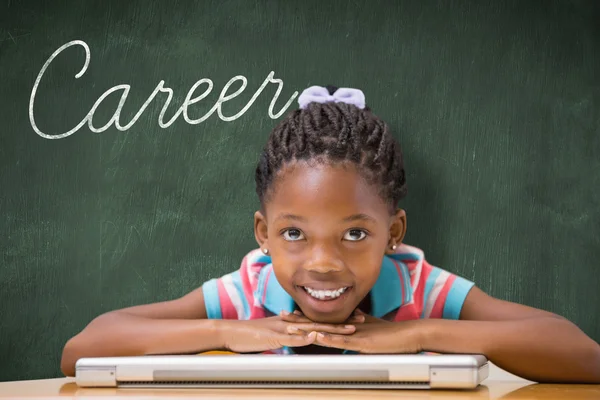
[323,260]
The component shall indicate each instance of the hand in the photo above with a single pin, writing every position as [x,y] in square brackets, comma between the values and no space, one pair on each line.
[274,332]
[358,317]
[376,336]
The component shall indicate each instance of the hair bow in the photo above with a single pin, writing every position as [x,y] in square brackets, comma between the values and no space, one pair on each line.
[319,94]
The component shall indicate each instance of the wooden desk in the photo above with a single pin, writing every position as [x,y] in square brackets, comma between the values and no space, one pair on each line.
[490,389]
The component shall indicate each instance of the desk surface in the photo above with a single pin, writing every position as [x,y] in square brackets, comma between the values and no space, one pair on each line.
[490,389]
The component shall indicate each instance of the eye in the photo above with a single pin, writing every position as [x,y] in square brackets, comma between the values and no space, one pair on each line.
[293,235]
[354,235]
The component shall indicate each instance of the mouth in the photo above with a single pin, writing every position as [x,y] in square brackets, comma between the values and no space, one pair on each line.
[325,295]
[324,301]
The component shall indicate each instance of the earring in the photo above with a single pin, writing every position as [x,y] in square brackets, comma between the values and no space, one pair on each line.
[394,247]
[265,251]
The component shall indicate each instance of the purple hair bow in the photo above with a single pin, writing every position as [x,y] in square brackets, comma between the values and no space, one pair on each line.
[318,94]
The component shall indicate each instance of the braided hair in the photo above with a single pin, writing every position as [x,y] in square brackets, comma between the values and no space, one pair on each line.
[331,133]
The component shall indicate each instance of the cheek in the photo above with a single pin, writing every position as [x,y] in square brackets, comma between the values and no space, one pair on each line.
[284,270]
[367,269]
[366,265]
[287,256]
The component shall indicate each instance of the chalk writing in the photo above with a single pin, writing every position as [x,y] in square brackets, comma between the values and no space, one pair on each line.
[124,90]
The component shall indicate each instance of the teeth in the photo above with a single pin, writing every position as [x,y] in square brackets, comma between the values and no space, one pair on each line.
[325,294]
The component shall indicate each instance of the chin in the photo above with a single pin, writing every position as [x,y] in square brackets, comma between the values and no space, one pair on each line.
[328,318]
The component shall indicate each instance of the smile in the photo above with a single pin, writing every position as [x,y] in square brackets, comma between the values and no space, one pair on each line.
[325,294]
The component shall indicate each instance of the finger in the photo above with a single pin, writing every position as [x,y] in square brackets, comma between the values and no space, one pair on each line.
[366,317]
[313,326]
[356,319]
[298,317]
[291,317]
[345,342]
[303,339]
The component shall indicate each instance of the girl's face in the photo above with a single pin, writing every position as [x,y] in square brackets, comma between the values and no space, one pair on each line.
[327,231]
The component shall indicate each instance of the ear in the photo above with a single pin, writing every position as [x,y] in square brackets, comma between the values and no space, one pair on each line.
[260,230]
[397,230]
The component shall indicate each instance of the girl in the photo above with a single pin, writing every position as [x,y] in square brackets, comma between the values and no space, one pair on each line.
[332,273]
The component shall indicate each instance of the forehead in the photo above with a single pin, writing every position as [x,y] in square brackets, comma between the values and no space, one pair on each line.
[311,189]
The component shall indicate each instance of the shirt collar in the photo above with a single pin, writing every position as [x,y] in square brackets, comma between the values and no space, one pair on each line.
[389,293]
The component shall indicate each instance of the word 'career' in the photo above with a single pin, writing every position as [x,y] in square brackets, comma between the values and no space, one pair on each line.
[189,100]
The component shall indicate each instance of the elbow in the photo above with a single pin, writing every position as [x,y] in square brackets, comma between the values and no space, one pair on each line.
[589,356]
[587,360]
[80,346]
[586,368]
[595,363]
[69,357]
[98,339]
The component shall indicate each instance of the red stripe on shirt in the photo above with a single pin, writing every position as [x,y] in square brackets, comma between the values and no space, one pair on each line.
[257,312]
[228,311]
[259,265]
[411,265]
[246,285]
[406,313]
[264,296]
[438,306]
[401,276]
[420,292]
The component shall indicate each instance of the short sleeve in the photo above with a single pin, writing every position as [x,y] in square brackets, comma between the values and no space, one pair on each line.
[212,302]
[231,296]
[456,297]
[436,293]
[439,293]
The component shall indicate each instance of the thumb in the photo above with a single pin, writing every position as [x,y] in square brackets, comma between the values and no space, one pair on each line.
[367,317]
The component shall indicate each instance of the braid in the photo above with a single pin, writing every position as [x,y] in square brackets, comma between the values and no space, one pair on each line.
[335,132]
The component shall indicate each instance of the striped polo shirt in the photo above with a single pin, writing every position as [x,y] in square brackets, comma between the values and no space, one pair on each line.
[407,288]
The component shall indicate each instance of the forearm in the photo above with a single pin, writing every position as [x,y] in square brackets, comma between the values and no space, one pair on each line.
[539,349]
[119,334]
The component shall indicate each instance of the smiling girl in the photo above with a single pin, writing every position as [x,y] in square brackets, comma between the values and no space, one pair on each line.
[332,273]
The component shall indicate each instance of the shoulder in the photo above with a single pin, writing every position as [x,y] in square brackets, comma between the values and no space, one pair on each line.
[413,260]
[436,292]
[231,296]
[408,254]
[253,262]
[420,269]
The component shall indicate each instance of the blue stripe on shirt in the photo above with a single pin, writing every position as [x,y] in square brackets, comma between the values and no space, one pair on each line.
[406,256]
[211,299]
[456,298]
[261,287]
[237,282]
[406,278]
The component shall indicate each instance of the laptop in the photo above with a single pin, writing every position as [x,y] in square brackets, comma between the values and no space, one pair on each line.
[351,371]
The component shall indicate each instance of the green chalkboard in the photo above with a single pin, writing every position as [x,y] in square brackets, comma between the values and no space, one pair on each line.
[496,104]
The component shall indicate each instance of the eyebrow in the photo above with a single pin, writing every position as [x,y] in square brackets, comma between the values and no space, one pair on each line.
[359,217]
[351,218]
[290,216]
